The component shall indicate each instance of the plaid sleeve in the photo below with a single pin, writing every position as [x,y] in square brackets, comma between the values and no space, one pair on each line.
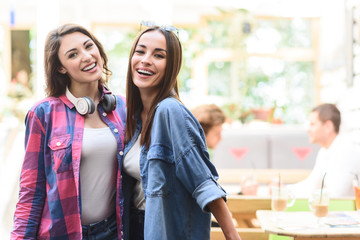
[32,182]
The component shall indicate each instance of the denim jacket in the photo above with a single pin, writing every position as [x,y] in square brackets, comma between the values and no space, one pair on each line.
[177,176]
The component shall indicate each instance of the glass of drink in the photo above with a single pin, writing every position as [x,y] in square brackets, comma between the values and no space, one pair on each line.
[249,185]
[281,198]
[356,186]
[319,204]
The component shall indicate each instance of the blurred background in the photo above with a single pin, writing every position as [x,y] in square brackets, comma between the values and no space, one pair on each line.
[266,63]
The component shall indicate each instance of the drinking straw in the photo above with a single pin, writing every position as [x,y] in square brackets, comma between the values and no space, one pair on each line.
[279,185]
[322,185]
[357,178]
[253,165]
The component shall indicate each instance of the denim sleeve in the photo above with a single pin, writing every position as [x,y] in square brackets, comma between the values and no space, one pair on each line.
[178,132]
[194,173]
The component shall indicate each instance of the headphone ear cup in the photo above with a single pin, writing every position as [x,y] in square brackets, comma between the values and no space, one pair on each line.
[85,105]
[109,102]
[91,105]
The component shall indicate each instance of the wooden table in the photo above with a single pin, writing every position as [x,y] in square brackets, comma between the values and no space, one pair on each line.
[302,225]
[263,176]
[243,208]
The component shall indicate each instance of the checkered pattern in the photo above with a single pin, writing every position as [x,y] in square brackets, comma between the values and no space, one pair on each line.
[49,205]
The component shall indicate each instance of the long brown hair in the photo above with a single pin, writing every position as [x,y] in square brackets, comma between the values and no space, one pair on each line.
[168,85]
[56,82]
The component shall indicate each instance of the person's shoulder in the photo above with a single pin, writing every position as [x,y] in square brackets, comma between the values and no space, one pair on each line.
[347,146]
[169,101]
[43,109]
[171,105]
[345,141]
[45,103]
[121,100]
[171,109]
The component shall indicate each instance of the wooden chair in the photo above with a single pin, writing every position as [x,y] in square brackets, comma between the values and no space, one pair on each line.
[243,208]
[245,234]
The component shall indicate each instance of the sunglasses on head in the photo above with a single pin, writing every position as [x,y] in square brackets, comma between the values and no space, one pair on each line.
[164,27]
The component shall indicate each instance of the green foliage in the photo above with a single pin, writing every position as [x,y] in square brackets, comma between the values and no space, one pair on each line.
[249,82]
[253,77]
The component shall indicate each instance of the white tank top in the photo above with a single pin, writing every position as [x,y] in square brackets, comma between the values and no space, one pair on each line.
[131,166]
[98,169]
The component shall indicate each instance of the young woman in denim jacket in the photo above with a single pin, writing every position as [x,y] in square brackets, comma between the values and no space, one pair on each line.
[70,180]
[174,183]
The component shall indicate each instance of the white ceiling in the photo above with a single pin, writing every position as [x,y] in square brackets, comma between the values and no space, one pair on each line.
[168,11]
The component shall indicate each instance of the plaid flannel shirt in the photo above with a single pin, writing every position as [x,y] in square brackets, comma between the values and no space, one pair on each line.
[49,204]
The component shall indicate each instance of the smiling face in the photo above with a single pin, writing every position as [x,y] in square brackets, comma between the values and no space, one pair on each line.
[149,62]
[80,58]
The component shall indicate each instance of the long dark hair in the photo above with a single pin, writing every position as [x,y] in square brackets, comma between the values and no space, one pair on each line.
[56,82]
[168,85]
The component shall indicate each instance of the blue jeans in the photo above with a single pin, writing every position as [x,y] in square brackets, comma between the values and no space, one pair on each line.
[103,230]
[137,219]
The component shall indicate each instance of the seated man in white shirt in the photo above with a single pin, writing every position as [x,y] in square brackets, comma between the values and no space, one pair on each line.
[338,157]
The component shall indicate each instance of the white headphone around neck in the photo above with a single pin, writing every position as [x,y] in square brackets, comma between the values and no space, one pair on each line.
[85,105]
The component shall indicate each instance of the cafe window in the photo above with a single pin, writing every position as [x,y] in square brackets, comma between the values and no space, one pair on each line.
[254,61]
[219,78]
[21,69]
